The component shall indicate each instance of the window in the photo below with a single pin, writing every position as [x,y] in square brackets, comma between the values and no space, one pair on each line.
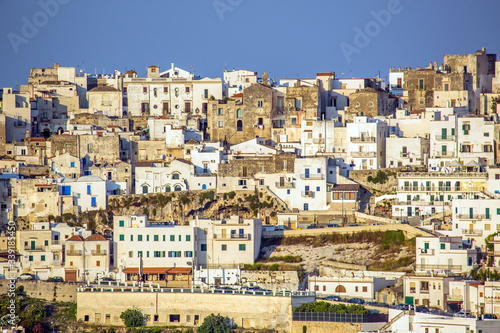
[147,238]
[122,237]
[242,247]
[221,112]
[421,84]
[239,113]
[306,206]
[121,223]
[144,89]
[187,107]
[294,121]
[156,238]
[224,247]
[174,254]
[93,202]
[172,238]
[203,247]
[42,258]
[356,288]
[130,254]
[72,164]
[221,124]
[98,263]
[340,289]
[205,93]
[131,238]
[443,246]
[188,238]
[298,104]
[260,104]
[89,189]
[139,238]
[30,258]
[188,254]
[46,243]
[365,289]
[187,89]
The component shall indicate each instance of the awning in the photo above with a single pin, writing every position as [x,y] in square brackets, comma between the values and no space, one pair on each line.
[179,270]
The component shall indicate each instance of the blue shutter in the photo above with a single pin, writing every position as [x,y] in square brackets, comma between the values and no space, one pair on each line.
[94,202]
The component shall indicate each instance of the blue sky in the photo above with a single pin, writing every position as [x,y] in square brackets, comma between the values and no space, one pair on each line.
[285,38]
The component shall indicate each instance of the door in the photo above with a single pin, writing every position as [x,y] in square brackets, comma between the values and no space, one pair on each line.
[204,187]
[223,233]
[70,275]
[282,181]
[471,212]
[244,171]
[306,171]
[33,245]
[443,133]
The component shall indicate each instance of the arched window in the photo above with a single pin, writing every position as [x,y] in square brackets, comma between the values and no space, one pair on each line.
[167,188]
[239,113]
[340,289]
[175,176]
[177,188]
[239,126]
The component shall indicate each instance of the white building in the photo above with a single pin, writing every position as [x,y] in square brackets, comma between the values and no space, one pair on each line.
[87,259]
[88,192]
[205,157]
[427,193]
[445,254]
[237,80]
[406,151]
[326,137]
[467,139]
[426,290]
[349,287]
[366,143]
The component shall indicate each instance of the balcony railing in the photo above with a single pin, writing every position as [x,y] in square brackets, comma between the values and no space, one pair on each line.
[473,232]
[20,124]
[74,253]
[56,262]
[431,188]
[443,267]
[34,248]
[363,154]
[307,194]
[319,176]
[56,242]
[422,203]
[474,217]
[446,138]
[45,119]
[442,174]
[99,252]
[427,251]
[363,139]
[445,154]
[233,236]
[285,185]
[319,140]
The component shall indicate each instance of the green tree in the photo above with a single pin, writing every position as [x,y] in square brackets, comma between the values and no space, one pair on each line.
[215,324]
[132,317]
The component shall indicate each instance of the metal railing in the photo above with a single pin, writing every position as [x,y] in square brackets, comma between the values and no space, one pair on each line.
[34,248]
[99,252]
[427,251]
[318,140]
[285,185]
[74,252]
[362,139]
[233,236]
[442,174]
[319,176]
[473,232]
[445,154]
[423,203]
[474,217]
[363,154]
[430,188]
[446,138]
[443,267]
[340,317]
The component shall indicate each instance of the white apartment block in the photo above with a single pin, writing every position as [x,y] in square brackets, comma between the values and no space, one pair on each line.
[320,137]
[88,193]
[237,80]
[406,151]
[87,259]
[350,287]
[205,157]
[427,193]
[466,139]
[476,219]
[366,143]
[446,254]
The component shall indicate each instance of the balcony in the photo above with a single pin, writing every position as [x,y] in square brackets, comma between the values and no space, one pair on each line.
[427,251]
[318,140]
[424,267]
[445,154]
[74,253]
[307,194]
[474,217]
[99,252]
[56,262]
[363,154]
[233,237]
[431,188]
[405,155]
[20,124]
[34,248]
[473,232]
[315,176]
[285,185]
[45,119]
[445,138]
[442,175]
[363,139]
[423,203]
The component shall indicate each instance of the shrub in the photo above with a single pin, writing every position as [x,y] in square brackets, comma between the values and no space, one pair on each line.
[215,324]
[132,317]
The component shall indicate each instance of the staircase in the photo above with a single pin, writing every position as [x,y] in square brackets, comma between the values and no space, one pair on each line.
[392,321]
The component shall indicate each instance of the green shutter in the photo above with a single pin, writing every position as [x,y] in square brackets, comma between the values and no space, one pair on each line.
[122,237]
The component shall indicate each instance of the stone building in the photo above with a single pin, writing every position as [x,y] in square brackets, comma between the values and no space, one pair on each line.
[370,102]
[105,100]
[430,87]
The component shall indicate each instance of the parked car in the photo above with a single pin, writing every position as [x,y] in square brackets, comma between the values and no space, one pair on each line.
[353,225]
[422,309]
[376,223]
[490,316]
[357,301]
[372,303]
[312,227]
[462,314]
[333,298]
[26,277]
[332,226]
[56,279]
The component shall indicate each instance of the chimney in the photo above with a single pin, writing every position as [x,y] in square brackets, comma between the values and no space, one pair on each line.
[264,78]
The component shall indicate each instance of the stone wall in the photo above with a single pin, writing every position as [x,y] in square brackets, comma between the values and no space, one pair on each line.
[325,327]
[61,292]
[247,311]
[360,176]
[272,280]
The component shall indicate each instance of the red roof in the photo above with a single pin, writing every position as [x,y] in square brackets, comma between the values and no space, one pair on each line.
[95,237]
[238,95]
[75,238]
